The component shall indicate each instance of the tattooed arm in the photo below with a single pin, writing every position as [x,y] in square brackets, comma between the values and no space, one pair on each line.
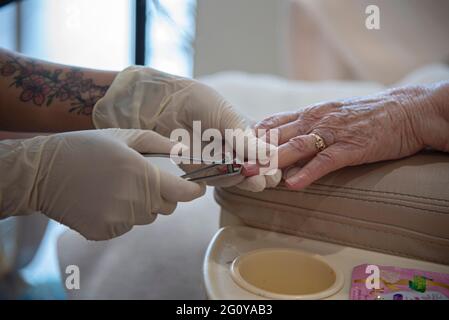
[45,97]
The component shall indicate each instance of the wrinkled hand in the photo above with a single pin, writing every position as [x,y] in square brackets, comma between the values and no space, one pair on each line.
[389,125]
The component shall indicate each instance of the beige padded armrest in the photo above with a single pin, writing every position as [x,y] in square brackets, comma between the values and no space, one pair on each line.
[399,207]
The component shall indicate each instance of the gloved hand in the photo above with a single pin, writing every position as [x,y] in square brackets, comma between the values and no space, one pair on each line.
[94,181]
[149,99]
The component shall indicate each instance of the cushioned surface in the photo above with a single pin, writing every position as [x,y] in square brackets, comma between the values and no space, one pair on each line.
[398,207]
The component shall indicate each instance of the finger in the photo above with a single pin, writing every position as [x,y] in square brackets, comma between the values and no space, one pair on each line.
[147,141]
[276,120]
[296,149]
[254,169]
[250,169]
[167,207]
[207,105]
[323,163]
[301,163]
[145,218]
[253,184]
[254,149]
[290,172]
[292,129]
[270,136]
[174,189]
[272,180]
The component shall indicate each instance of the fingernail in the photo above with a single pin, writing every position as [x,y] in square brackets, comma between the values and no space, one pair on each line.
[250,169]
[291,172]
[292,181]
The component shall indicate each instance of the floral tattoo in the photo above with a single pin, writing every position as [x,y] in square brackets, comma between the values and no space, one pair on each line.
[42,87]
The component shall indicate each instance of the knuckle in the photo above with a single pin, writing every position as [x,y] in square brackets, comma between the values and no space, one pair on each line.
[307,174]
[326,106]
[327,159]
[300,127]
[263,125]
[325,133]
[298,143]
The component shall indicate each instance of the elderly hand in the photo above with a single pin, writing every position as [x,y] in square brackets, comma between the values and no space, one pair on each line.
[390,125]
[146,98]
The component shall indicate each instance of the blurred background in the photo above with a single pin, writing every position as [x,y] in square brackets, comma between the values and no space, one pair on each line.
[103,34]
[296,39]
[300,40]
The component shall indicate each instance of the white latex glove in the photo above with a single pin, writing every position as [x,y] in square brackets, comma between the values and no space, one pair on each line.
[145,98]
[95,182]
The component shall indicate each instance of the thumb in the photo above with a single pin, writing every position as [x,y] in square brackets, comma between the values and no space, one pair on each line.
[172,188]
[148,141]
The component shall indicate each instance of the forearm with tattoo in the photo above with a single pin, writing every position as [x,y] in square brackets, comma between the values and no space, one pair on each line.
[43,86]
[36,95]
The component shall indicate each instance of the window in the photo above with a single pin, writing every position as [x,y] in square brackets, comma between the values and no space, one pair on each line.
[102,33]
[86,33]
[171,32]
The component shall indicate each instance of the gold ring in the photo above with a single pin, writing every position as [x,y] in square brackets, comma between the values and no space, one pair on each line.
[319,142]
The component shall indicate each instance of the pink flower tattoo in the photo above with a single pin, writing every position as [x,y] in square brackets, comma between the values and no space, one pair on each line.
[42,86]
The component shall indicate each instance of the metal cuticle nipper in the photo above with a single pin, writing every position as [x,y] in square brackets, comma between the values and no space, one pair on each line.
[212,170]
